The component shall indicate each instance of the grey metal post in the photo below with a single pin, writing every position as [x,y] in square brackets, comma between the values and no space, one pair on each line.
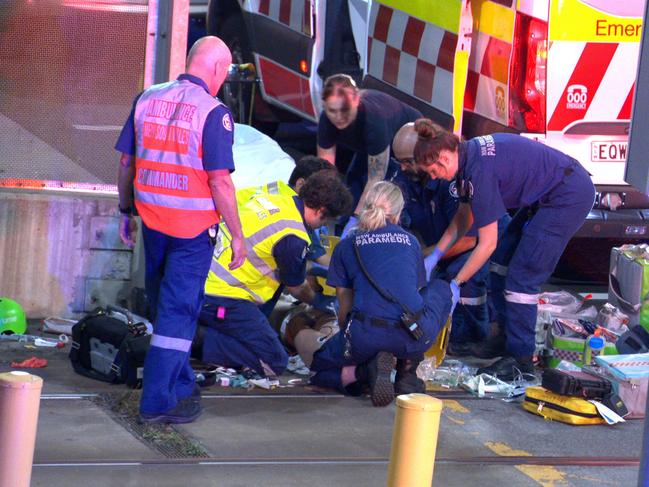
[637,163]
[168,21]
[165,58]
[637,174]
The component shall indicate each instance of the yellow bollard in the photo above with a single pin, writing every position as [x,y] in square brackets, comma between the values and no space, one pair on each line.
[414,441]
[20,395]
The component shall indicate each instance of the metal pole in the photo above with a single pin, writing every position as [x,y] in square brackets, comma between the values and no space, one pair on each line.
[643,475]
[637,174]
[414,441]
[637,169]
[20,394]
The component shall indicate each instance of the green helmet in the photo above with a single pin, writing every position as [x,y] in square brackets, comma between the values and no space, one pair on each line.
[12,317]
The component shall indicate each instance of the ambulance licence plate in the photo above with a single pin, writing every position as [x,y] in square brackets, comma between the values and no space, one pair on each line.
[608,151]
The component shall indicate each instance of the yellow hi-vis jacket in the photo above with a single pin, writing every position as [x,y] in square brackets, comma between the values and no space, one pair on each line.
[265,219]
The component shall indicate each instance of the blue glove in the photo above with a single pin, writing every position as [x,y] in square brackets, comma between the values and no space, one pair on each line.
[324,303]
[431,261]
[455,294]
[351,224]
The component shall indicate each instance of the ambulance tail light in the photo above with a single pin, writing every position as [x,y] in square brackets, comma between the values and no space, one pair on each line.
[527,74]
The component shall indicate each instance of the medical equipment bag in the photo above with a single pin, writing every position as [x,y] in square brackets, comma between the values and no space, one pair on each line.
[632,392]
[571,348]
[566,409]
[636,340]
[576,384]
[628,286]
[108,346]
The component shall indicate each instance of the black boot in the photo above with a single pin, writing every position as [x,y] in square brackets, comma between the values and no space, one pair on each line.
[508,368]
[376,374]
[492,347]
[406,381]
[460,349]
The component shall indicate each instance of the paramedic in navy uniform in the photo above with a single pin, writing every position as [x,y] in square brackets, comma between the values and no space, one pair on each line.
[496,173]
[371,336]
[365,122]
[175,167]
[430,205]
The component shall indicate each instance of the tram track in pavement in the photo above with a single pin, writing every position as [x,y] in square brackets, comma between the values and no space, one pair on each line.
[553,461]
[213,461]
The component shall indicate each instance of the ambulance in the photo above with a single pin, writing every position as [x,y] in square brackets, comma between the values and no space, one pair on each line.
[559,71]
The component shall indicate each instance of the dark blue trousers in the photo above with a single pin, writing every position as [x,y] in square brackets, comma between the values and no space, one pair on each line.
[529,252]
[243,337]
[367,340]
[470,318]
[175,274]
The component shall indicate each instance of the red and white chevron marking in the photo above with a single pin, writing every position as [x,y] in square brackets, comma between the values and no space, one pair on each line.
[487,90]
[415,56]
[590,81]
[292,13]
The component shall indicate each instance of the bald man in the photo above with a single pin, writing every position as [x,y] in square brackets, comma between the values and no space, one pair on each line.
[430,207]
[175,168]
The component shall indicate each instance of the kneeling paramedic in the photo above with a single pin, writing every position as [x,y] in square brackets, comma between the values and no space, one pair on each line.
[237,333]
[386,308]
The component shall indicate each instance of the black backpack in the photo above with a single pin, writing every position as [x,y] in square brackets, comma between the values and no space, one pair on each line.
[108,346]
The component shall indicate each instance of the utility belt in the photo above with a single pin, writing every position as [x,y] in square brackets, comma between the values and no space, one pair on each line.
[407,321]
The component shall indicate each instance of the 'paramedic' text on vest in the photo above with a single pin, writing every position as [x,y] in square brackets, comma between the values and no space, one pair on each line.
[367,239]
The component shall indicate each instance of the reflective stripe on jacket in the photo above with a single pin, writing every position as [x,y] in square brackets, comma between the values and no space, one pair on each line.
[171,188]
[265,219]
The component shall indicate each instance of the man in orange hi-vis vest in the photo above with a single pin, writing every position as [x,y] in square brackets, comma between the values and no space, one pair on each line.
[175,167]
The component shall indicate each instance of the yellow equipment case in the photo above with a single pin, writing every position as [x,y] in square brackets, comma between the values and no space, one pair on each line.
[566,409]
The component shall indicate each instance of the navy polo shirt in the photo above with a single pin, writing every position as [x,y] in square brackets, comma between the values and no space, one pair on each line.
[393,258]
[316,249]
[430,205]
[290,255]
[379,118]
[505,171]
[218,133]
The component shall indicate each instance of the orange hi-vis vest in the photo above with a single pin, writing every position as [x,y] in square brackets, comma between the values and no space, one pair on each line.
[172,194]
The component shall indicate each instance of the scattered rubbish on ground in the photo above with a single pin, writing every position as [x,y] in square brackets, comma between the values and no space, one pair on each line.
[36,340]
[455,374]
[450,374]
[485,385]
[226,377]
[297,366]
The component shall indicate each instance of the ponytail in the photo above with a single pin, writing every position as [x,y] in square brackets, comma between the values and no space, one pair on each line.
[383,204]
[432,139]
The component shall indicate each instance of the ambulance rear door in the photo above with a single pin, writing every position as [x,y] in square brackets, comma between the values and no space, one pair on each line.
[283,39]
[591,71]
[418,51]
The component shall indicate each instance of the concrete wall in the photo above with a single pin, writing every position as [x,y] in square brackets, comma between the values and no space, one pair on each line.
[60,254]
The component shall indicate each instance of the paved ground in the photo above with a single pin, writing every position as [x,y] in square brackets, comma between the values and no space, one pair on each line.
[295,436]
